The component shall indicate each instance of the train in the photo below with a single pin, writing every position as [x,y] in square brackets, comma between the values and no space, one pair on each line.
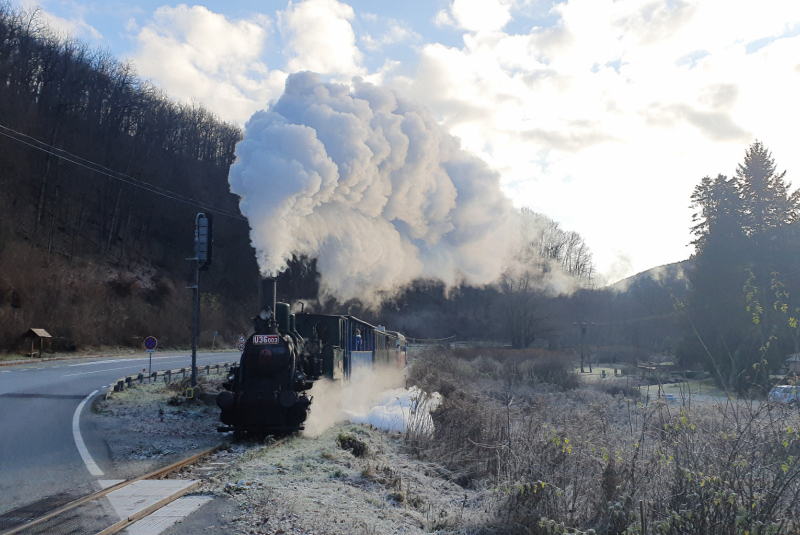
[268,391]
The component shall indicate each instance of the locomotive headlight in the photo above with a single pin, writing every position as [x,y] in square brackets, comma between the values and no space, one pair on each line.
[231,377]
[265,313]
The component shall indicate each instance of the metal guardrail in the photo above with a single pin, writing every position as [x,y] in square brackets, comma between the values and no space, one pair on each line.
[124,382]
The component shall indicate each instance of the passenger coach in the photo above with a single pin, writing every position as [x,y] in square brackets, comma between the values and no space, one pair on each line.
[350,344]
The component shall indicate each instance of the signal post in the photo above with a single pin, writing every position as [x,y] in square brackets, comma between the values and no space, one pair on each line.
[202,259]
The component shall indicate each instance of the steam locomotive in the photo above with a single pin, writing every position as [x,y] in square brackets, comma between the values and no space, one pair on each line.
[287,353]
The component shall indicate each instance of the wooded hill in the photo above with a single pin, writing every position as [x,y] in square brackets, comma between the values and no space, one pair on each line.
[101,176]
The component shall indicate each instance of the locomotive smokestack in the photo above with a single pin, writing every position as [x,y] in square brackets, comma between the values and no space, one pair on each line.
[267,293]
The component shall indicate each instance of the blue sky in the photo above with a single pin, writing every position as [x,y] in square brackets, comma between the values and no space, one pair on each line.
[602,114]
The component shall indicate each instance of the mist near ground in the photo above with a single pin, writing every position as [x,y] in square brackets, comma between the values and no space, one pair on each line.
[336,402]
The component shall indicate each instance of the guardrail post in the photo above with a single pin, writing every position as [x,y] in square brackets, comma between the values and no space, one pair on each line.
[128,381]
[140,377]
[120,386]
[208,369]
[183,371]
[167,376]
[153,376]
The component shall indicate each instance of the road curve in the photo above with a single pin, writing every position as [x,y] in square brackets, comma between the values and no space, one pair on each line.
[39,457]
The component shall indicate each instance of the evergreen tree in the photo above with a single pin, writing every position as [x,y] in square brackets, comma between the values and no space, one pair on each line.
[744,235]
[719,211]
[766,202]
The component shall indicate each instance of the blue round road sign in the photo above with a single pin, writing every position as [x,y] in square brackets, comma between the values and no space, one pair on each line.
[150,342]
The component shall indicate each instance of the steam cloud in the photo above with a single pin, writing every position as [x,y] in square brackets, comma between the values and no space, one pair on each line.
[367,182]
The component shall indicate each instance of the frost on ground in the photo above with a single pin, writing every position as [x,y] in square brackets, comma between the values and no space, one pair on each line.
[338,478]
[148,426]
[350,479]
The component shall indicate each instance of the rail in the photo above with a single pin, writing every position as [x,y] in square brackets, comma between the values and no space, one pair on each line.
[157,474]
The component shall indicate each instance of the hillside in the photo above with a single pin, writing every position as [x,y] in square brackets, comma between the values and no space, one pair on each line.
[672,275]
[101,176]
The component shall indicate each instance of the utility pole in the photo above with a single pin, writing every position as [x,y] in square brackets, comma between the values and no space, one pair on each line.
[202,260]
[585,343]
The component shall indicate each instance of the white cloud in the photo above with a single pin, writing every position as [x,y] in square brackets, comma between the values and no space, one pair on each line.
[481,15]
[606,120]
[443,18]
[195,53]
[396,32]
[75,26]
[319,37]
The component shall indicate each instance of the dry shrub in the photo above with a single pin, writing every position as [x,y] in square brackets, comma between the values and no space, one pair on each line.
[584,459]
[617,387]
[352,443]
[90,305]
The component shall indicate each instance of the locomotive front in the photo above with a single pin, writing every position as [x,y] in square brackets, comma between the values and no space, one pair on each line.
[266,392]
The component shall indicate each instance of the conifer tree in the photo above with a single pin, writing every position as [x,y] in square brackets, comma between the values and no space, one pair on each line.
[766,202]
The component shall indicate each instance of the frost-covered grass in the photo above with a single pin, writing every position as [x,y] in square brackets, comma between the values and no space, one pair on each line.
[148,425]
[585,459]
[306,484]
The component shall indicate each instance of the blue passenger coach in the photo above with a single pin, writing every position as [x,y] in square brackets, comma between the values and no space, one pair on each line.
[350,344]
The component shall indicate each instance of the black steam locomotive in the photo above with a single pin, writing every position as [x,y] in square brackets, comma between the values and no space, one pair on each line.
[267,392]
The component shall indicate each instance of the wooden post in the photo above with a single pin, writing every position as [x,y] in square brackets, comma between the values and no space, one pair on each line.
[41,347]
[31,347]
[641,514]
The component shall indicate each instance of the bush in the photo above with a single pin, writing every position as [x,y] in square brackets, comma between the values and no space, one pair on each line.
[352,443]
[581,459]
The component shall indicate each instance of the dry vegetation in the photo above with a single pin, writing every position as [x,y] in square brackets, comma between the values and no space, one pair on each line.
[561,457]
[90,305]
[151,425]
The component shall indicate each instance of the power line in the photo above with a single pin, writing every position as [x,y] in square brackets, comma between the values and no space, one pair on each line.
[110,173]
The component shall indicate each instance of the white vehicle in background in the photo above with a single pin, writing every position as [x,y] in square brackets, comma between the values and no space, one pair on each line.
[786,394]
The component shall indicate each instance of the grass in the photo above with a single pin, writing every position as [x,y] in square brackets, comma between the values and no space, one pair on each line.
[705,387]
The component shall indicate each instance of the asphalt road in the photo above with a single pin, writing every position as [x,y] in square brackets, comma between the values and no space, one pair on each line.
[39,460]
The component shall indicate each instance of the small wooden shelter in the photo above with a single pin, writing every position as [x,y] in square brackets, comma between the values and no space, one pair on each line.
[35,334]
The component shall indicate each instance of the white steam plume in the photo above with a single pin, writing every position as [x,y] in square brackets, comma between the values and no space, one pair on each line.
[367,181]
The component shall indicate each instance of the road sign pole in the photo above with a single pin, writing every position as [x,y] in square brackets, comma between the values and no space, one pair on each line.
[150,344]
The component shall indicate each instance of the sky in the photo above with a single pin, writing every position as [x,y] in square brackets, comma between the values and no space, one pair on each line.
[600,114]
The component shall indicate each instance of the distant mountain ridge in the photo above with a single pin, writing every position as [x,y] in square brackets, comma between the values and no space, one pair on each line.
[672,275]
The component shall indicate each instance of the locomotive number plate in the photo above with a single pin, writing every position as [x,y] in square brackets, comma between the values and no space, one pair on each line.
[266,339]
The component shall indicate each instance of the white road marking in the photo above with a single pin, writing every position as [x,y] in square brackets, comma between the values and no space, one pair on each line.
[165,517]
[100,371]
[115,361]
[102,362]
[142,494]
[76,434]
[112,369]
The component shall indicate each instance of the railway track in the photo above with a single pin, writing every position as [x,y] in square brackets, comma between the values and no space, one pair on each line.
[120,504]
